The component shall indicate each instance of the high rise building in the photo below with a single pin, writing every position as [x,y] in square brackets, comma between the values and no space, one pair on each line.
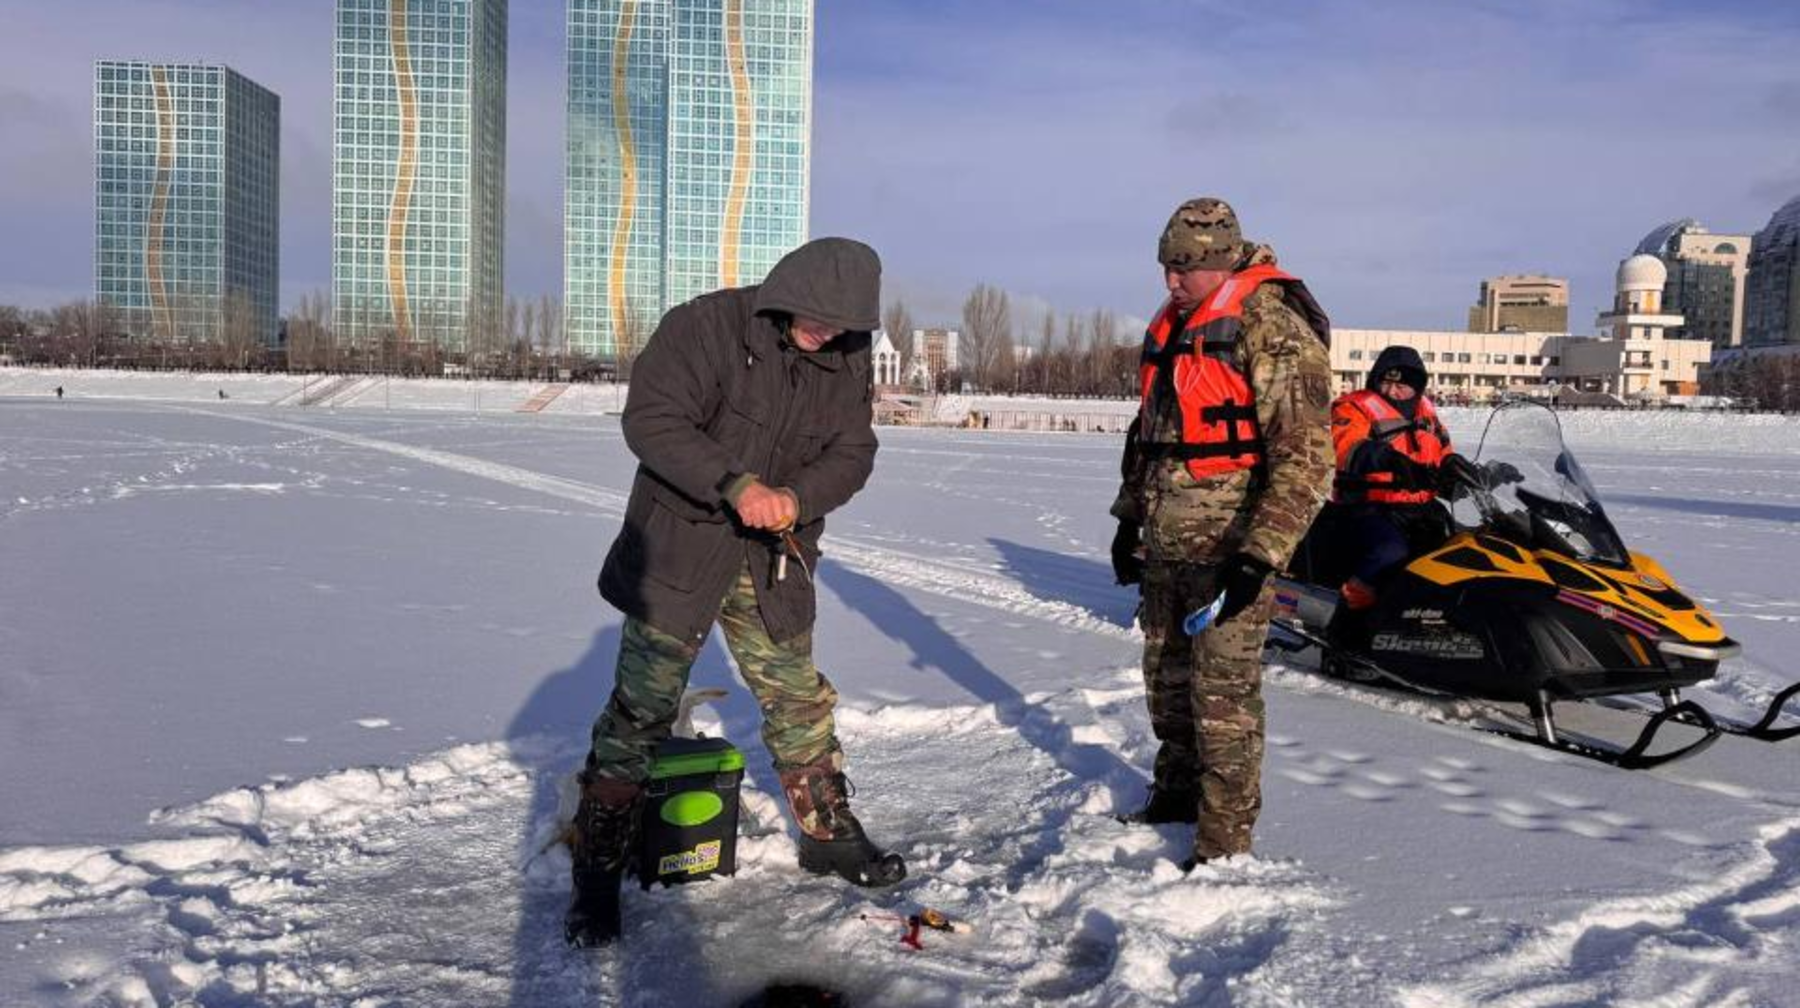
[1528,303]
[419,174]
[1705,284]
[1772,290]
[688,156]
[186,210]
[934,355]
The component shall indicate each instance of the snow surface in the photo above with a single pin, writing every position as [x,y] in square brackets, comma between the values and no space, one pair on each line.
[288,699]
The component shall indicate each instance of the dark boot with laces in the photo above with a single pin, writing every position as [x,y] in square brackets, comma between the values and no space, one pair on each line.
[832,841]
[599,846]
[1166,805]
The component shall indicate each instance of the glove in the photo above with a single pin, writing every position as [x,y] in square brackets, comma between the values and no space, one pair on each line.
[1456,475]
[1502,473]
[1241,579]
[1408,473]
[1128,567]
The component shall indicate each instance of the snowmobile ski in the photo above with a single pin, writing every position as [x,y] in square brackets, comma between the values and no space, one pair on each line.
[1763,730]
[1339,663]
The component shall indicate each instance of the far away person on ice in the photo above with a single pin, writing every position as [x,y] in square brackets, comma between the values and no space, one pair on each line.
[1228,462]
[749,413]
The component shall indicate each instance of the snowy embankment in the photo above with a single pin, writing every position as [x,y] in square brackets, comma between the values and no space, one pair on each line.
[292,697]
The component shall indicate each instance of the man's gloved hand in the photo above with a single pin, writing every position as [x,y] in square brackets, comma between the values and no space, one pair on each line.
[1457,475]
[1128,566]
[1409,474]
[1241,579]
[1501,473]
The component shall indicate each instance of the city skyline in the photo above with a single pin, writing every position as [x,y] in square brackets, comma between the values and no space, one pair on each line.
[1040,149]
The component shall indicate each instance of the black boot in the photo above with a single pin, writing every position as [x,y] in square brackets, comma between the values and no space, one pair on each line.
[832,841]
[1349,633]
[599,845]
[1166,805]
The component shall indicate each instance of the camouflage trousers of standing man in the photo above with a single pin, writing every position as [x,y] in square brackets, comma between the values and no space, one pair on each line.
[1206,705]
[796,699]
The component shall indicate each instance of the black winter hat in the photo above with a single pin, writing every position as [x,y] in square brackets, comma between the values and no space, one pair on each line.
[1403,359]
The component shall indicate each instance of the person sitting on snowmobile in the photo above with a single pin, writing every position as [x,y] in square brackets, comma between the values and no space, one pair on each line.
[1394,460]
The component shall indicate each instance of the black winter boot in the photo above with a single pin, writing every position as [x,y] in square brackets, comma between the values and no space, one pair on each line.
[599,846]
[831,838]
[1166,805]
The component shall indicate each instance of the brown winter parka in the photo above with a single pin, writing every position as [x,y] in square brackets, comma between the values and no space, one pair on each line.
[718,392]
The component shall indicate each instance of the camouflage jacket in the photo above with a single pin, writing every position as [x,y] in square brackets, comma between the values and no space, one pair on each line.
[1189,520]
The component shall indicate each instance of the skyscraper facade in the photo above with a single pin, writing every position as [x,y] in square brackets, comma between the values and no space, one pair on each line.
[1706,274]
[186,210]
[1772,291]
[689,138]
[419,174]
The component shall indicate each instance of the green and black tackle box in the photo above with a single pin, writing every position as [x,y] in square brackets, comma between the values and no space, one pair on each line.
[690,816]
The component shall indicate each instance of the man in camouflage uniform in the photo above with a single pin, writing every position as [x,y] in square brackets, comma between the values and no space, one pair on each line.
[749,413]
[1192,539]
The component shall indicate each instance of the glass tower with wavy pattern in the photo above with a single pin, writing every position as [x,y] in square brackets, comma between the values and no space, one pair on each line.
[688,156]
[186,213]
[418,174]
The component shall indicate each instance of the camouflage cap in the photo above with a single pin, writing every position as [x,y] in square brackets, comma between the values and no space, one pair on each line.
[1201,234]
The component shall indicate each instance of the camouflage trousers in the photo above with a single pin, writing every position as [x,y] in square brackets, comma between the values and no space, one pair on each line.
[796,699]
[1206,706]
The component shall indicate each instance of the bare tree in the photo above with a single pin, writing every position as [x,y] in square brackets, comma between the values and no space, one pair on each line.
[634,332]
[898,324]
[12,329]
[986,334]
[76,329]
[550,332]
[1103,331]
[509,334]
[238,336]
[310,344]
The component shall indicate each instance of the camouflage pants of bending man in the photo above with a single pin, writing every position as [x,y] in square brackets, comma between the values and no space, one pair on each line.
[1206,705]
[796,699]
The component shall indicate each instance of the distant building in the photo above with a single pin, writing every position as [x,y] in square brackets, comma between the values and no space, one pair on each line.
[1706,279]
[419,173]
[187,230]
[1463,366]
[884,360]
[1636,359]
[933,356]
[688,162]
[1772,290]
[1525,303]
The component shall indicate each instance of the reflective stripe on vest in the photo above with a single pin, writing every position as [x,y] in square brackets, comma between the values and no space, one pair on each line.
[1194,403]
[1420,439]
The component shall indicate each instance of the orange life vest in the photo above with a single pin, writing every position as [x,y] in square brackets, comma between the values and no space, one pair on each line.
[1194,403]
[1364,416]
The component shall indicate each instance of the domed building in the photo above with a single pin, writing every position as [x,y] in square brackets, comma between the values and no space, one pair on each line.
[1772,293]
[1705,283]
[1638,358]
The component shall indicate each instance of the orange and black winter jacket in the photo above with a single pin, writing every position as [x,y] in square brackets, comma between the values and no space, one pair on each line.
[1368,433]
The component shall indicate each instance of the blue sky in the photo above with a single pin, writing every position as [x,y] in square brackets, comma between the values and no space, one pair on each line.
[1393,152]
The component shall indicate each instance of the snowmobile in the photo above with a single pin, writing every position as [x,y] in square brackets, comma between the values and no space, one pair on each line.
[1522,592]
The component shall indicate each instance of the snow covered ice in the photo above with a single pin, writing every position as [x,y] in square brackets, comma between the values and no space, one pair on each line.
[288,698]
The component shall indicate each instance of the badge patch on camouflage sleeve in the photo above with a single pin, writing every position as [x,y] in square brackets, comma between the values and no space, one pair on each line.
[1317,389]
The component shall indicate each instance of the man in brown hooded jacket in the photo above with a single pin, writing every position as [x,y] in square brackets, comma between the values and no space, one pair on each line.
[749,413]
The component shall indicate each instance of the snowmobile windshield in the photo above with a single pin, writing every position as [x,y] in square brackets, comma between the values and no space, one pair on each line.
[1537,494]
